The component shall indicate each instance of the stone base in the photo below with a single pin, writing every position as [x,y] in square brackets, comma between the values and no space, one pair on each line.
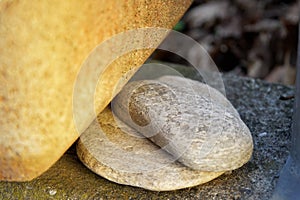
[268,118]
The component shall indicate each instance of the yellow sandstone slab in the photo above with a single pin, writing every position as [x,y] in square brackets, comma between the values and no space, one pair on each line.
[43,44]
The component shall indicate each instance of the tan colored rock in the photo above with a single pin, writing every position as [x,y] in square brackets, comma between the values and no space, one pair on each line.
[127,158]
[42,47]
[190,120]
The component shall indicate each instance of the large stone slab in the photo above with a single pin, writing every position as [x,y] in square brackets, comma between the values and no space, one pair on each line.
[55,57]
[258,103]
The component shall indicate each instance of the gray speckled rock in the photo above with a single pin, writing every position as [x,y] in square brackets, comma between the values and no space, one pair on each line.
[190,120]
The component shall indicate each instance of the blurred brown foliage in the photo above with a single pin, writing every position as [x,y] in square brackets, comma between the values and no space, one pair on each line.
[249,38]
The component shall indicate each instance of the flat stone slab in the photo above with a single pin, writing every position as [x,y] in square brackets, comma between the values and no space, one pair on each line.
[261,108]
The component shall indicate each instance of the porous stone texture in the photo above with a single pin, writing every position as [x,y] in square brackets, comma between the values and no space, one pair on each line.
[259,105]
[52,55]
[190,120]
[130,159]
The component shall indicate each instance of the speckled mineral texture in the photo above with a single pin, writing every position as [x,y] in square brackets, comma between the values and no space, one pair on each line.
[190,120]
[268,118]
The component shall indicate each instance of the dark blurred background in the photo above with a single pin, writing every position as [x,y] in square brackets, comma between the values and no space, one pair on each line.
[244,37]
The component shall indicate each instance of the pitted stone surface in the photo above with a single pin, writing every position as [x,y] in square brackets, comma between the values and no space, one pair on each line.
[191,120]
[133,160]
[259,105]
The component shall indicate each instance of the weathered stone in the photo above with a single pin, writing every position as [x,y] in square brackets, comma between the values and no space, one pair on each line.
[190,120]
[132,160]
[44,45]
[260,107]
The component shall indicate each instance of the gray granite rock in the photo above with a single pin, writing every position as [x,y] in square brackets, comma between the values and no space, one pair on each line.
[259,105]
